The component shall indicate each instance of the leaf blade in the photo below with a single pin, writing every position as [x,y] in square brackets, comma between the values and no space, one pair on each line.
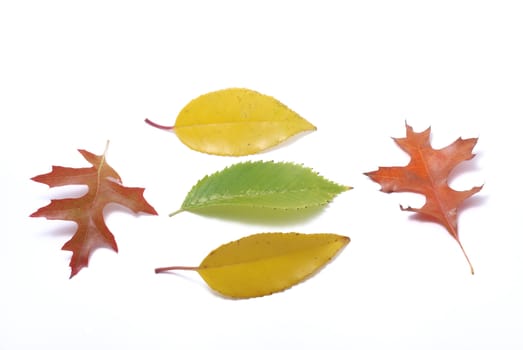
[265,184]
[427,174]
[237,122]
[266,263]
[104,187]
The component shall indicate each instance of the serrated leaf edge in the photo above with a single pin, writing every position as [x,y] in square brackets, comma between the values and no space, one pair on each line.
[332,195]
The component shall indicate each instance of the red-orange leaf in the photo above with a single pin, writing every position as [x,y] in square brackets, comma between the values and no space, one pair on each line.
[104,187]
[427,174]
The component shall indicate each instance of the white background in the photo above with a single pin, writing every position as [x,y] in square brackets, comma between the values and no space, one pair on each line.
[75,74]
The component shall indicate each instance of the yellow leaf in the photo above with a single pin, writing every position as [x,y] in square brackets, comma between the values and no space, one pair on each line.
[265,263]
[236,122]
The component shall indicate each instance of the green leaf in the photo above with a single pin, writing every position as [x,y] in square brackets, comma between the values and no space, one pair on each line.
[262,184]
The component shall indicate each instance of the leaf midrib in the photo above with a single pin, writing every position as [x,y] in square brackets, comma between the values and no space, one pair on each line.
[435,192]
[246,195]
[233,123]
[272,257]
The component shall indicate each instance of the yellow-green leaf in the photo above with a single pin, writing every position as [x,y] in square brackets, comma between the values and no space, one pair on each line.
[262,184]
[265,263]
[236,122]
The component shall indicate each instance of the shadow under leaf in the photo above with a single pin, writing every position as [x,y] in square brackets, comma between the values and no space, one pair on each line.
[265,216]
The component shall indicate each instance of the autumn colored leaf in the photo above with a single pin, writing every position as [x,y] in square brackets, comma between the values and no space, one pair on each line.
[265,263]
[104,187]
[427,174]
[262,184]
[236,122]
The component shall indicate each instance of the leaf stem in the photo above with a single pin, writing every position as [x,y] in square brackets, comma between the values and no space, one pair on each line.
[163,127]
[176,212]
[106,147]
[466,257]
[170,268]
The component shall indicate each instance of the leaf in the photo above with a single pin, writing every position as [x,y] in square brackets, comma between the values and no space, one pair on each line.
[104,187]
[427,174]
[265,263]
[236,122]
[262,184]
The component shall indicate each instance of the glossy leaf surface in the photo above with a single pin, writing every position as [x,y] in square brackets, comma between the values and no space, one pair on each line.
[104,187]
[265,263]
[237,122]
[427,174]
[262,184]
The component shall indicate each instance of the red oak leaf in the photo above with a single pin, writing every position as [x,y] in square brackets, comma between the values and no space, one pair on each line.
[427,174]
[104,187]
